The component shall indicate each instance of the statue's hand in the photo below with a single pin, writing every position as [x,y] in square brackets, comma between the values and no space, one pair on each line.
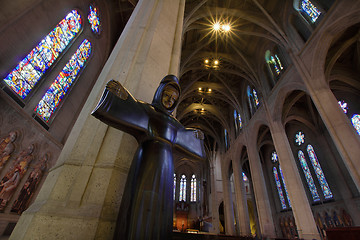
[199,134]
[116,88]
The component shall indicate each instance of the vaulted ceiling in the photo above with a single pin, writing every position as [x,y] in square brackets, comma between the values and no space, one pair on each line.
[210,91]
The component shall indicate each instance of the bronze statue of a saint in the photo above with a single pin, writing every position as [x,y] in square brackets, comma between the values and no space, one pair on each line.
[147,206]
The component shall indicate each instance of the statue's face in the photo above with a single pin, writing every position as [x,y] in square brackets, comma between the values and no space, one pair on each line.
[169,96]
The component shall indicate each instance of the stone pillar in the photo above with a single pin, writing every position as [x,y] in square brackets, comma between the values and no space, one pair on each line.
[214,198]
[241,203]
[263,207]
[228,202]
[81,196]
[304,218]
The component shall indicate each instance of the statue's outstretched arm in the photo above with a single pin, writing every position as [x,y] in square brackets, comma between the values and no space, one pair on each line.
[191,141]
[120,110]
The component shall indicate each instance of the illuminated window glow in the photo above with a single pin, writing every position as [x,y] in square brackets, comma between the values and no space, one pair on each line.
[309,9]
[355,120]
[28,72]
[319,173]
[94,20]
[245,178]
[256,99]
[52,98]
[174,185]
[309,179]
[182,196]
[343,106]
[299,138]
[279,188]
[193,189]
[274,157]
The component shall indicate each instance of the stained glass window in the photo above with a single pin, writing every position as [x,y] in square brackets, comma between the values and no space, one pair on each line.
[94,20]
[274,157]
[309,179]
[319,173]
[182,196]
[309,9]
[275,65]
[283,180]
[193,189]
[279,188]
[237,120]
[356,122]
[53,96]
[299,138]
[226,139]
[28,72]
[343,106]
[174,185]
[256,99]
[245,178]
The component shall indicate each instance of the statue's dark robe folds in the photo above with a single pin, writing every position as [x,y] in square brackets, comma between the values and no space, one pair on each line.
[146,210]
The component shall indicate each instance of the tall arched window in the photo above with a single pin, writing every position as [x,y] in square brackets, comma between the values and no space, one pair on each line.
[275,65]
[28,72]
[193,189]
[237,122]
[320,176]
[355,118]
[226,139]
[279,181]
[174,185]
[58,89]
[182,195]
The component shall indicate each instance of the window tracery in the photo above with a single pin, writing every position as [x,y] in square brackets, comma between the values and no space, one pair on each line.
[193,189]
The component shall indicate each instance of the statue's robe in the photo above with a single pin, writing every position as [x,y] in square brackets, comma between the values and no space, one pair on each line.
[146,210]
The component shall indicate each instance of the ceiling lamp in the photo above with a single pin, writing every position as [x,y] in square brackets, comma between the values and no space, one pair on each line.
[216,26]
[226,27]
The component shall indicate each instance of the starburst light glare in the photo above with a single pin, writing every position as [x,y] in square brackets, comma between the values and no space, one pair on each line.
[226,27]
[216,26]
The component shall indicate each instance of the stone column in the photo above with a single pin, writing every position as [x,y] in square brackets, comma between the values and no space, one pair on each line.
[263,207]
[228,202]
[81,196]
[304,218]
[214,198]
[242,208]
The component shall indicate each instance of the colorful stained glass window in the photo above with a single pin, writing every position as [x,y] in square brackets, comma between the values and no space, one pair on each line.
[193,189]
[299,138]
[319,173]
[53,96]
[245,178]
[343,106]
[182,195]
[174,185]
[283,181]
[28,72]
[274,157]
[275,65]
[279,188]
[237,120]
[226,139]
[356,122]
[309,179]
[309,9]
[256,99]
[94,20]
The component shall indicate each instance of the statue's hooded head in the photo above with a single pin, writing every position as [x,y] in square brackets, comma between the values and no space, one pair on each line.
[167,94]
